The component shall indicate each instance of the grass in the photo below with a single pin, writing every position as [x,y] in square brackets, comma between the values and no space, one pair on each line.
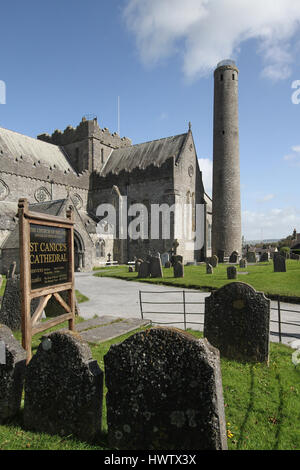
[260,276]
[80,297]
[262,406]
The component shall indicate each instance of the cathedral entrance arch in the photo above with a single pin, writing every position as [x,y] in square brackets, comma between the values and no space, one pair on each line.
[78,252]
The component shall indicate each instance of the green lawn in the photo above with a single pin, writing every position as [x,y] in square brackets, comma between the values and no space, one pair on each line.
[262,406]
[260,276]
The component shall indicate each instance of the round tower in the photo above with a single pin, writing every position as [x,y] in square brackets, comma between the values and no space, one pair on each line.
[226,201]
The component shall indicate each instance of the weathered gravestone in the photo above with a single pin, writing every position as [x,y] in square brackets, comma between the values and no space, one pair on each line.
[130,269]
[168,264]
[251,257]
[137,264]
[12,372]
[155,267]
[144,269]
[243,263]
[178,269]
[294,256]
[10,313]
[175,259]
[165,257]
[63,388]
[234,257]
[209,269]
[264,257]
[231,272]
[279,264]
[214,261]
[237,322]
[156,401]
[221,255]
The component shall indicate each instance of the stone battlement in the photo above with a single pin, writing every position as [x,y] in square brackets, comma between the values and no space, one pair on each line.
[86,129]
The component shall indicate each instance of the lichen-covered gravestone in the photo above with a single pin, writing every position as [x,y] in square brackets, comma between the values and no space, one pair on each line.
[237,322]
[63,388]
[10,314]
[12,372]
[164,392]
[279,264]
[231,272]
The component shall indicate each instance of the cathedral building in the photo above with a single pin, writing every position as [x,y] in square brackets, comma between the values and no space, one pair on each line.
[87,167]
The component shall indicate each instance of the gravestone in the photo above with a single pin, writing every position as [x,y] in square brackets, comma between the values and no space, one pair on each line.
[137,264]
[243,263]
[168,264]
[178,269]
[279,264]
[231,272]
[156,267]
[63,388]
[144,269]
[10,313]
[12,270]
[294,256]
[264,257]
[130,269]
[234,257]
[176,258]
[251,257]
[12,372]
[214,261]
[221,255]
[154,401]
[237,322]
[209,269]
[165,257]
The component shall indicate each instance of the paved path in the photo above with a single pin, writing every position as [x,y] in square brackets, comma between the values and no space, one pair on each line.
[119,298]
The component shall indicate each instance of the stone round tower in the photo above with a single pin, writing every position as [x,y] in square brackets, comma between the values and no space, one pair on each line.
[226,212]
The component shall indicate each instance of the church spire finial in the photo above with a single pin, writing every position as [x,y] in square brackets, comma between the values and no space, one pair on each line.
[190,126]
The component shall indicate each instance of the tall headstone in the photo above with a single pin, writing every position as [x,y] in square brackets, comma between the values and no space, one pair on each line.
[279,264]
[237,322]
[144,269]
[234,257]
[63,388]
[243,263]
[156,267]
[231,272]
[12,372]
[178,269]
[154,401]
[165,257]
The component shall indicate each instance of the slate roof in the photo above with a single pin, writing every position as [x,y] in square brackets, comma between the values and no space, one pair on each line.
[33,150]
[143,155]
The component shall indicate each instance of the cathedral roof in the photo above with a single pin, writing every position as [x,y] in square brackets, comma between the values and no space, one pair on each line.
[140,156]
[33,150]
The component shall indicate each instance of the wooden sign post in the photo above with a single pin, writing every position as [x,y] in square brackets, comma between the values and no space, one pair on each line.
[46,268]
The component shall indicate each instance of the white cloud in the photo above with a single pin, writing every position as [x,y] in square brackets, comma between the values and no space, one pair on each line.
[206,166]
[212,30]
[266,198]
[294,156]
[276,223]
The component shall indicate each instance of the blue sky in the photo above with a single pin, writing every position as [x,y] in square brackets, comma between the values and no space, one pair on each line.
[64,59]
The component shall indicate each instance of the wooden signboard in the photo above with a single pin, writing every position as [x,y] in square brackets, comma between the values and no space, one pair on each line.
[46,268]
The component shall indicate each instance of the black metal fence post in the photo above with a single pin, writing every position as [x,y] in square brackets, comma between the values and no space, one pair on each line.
[141,305]
[279,319]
